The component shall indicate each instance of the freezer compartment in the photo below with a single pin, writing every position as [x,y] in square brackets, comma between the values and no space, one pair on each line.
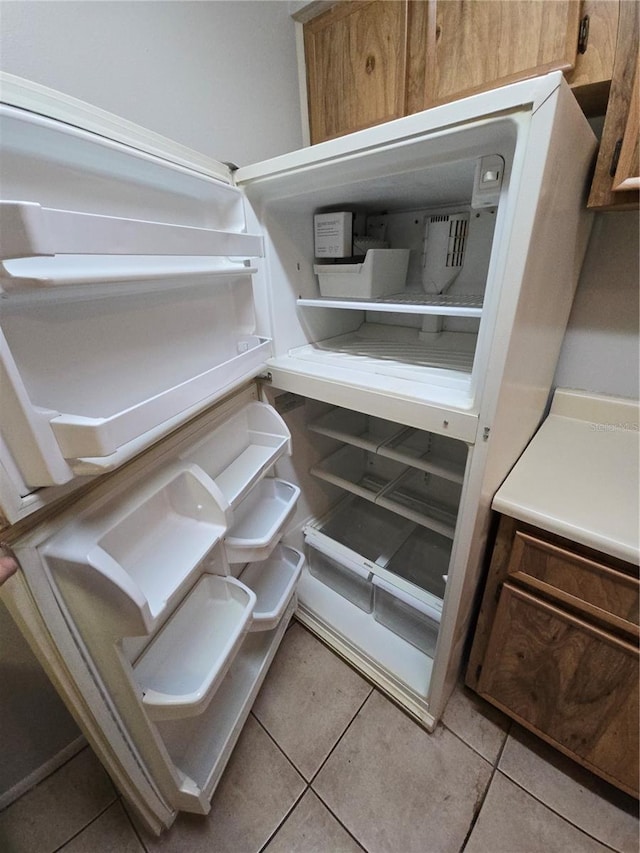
[408,331]
[406,616]
[185,663]
[273,581]
[259,519]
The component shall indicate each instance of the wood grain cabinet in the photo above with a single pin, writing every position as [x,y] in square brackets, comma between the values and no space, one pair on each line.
[556,648]
[616,180]
[373,60]
[356,61]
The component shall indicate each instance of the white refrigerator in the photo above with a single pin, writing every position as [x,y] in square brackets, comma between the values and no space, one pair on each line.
[207,425]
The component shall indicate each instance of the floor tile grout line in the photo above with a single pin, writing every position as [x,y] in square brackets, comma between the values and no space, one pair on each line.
[335,816]
[347,727]
[280,749]
[115,800]
[557,813]
[467,744]
[285,818]
[494,770]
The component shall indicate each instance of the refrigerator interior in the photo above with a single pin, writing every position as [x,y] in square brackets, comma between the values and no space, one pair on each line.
[377,520]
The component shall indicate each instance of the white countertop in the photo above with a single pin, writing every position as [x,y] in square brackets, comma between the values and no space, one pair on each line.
[580,475]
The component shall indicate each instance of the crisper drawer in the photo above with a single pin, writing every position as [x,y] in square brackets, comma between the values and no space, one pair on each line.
[597,590]
[350,581]
[571,683]
[409,618]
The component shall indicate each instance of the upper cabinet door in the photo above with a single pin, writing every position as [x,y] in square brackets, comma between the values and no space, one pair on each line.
[482,43]
[355,56]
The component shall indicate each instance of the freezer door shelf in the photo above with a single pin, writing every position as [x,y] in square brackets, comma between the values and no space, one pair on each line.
[30,230]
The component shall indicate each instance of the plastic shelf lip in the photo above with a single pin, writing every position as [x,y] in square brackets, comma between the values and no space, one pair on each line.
[405,597]
[64,270]
[80,436]
[207,639]
[24,230]
[31,230]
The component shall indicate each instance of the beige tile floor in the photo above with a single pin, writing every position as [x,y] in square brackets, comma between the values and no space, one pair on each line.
[326,764]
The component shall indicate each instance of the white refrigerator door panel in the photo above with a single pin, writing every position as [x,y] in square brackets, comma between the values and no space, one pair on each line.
[134,577]
[128,302]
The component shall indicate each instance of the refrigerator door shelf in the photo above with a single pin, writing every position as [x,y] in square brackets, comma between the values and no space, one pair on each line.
[273,581]
[241,450]
[259,519]
[206,631]
[202,746]
[147,545]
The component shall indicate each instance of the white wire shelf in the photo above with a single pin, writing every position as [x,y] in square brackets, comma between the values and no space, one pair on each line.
[412,302]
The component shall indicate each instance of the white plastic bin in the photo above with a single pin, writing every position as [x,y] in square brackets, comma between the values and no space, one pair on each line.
[384,271]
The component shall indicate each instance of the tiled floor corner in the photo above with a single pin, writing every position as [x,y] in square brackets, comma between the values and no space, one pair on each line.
[326,764]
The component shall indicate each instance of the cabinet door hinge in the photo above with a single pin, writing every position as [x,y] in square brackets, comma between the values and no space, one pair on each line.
[614,159]
[583,35]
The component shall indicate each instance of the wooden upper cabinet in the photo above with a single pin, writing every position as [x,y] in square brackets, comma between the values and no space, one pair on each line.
[482,44]
[615,181]
[356,61]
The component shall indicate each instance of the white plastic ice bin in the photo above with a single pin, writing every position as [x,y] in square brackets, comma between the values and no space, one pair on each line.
[383,271]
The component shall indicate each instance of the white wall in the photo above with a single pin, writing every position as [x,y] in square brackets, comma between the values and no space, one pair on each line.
[601,346]
[220,77]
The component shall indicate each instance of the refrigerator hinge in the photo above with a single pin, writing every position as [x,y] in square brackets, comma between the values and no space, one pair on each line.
[485,433]
[9,564]
[583,35]
[265,378]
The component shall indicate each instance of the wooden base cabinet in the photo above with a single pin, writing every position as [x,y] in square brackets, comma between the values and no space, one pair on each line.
[556,648]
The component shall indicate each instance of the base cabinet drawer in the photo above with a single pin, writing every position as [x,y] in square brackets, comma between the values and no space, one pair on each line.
[573,684]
